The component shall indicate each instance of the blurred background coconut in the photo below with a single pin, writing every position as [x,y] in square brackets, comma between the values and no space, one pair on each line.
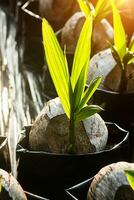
[102,33]
[57,12]
[111,183]
[127,14]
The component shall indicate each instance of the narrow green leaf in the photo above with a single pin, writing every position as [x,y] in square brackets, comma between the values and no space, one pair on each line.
[119,32]
[57,65]
[79,88]
[130,177]
[131,49]
[128,58]
[87,111]
[131,46]
[131,61]
[89,92]
[83,50]
[66,63]
[85,7]
[103,8]
[116,56]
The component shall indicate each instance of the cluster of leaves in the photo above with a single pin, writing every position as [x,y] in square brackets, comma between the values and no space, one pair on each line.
[101,9]
[122,54]
[71,88]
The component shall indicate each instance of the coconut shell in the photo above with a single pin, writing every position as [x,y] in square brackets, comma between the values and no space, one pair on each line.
[103,64]
[71,31]
[102,33]
[100,65]
[10,188]
[111,183]
[57,12]
[50,131]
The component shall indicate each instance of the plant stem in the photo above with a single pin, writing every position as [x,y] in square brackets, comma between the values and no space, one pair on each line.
[123,83]
[72,139]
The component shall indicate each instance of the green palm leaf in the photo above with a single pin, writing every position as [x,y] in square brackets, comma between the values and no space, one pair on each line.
[79,88]
[130,177]
[103,8]
[57,65]
[131,46]
[116,56]
[128,58]
[70,89]
[89,91]
[87,111]
[83,50]
[119,32]
[85,7]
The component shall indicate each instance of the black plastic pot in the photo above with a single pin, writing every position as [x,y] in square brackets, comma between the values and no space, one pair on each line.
[31,196]
[4,154]
[118,108]
[79,191]
[49,174]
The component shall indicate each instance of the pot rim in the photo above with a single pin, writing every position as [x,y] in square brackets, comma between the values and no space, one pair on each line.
[72,189]
[115,93]
[21,149]
[29,194]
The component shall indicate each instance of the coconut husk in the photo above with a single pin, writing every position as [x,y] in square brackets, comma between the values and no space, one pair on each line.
[102,33]
[113,79]
[50,131]
[10,188]
[103,64]
[111,183]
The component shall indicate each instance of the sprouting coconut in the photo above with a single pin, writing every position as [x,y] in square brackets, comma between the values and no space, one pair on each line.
[57,12]
[10,188]
[102,33]
[103,63]
[116,66]
[111,183]
[50,131]
[81,130]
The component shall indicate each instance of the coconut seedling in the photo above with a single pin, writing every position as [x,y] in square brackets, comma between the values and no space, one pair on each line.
[80,125]
[67,132]
[118,70]
[116,66]
[123,55]
[102,30]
